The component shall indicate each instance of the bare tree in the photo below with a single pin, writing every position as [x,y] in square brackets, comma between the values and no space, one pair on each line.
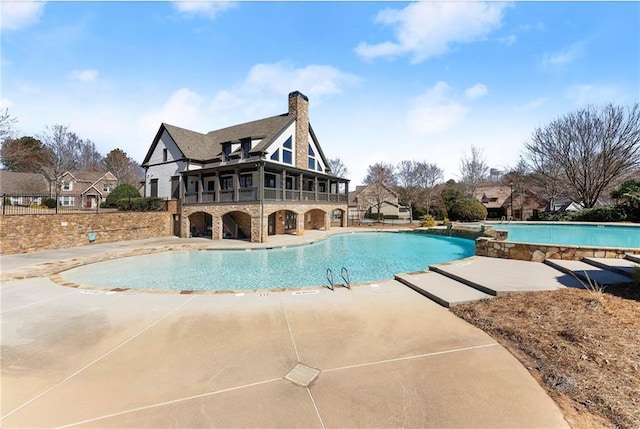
[381,179]
[89,159]
[123,167]
[62,148]
[7,124]
[592,147]
[408,175]
[473,170]
[429,175]
[338,168]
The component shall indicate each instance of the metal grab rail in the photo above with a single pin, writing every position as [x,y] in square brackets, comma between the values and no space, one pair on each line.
[347,281]
[330,278]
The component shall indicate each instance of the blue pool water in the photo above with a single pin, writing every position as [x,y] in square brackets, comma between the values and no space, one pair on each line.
[367,256]
[571,234]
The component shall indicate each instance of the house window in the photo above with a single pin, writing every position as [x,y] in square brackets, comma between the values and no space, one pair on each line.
[226,151]
[269,181]
[154,188]
[287,152]
[246,181]
[226,183]
[246,147]
[67,186]
[211,186]
[287,156]
[66,201]
[322,187]
[276,155]
[314,164]
[106,187]
[289,183]
[165,155]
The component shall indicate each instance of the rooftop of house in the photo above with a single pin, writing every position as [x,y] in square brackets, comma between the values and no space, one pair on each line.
[16,183]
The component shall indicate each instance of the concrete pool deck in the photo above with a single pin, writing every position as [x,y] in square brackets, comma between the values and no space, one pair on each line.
[386,356]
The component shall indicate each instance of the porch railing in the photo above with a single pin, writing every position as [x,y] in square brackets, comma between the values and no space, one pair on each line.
[270,194]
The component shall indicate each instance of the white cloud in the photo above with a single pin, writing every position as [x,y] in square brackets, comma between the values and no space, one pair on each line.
[435,111]
[429,29]
[508,40]
[5,103]
[183,108]
[566,56]
[88,75]
[478,90]
[534,104]
[208,9]
[266,86]
[15,15]
[584,94]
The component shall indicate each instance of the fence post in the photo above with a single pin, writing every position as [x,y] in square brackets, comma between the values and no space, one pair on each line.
[4,203]
[57,202]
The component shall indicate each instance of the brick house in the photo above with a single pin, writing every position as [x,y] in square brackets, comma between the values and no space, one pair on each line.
[247,181]
[503,201]
[85,189]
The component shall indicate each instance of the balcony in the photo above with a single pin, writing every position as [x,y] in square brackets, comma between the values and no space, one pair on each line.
[270,194]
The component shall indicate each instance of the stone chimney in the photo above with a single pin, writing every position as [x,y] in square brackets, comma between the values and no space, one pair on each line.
[299,107]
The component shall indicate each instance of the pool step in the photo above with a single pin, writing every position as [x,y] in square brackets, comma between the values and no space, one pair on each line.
[441,289]
[633,257]
[496,276]
[587,272]
[623,267]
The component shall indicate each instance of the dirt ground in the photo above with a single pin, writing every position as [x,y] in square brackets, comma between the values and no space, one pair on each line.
[582,346]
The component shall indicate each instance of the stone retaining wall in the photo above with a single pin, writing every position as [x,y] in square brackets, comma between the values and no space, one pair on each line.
[493,248]
[31,233]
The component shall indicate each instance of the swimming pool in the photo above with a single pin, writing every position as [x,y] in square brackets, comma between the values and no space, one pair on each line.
[368,257]
[618,236]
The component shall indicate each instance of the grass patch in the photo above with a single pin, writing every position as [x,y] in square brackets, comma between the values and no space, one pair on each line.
[583,347]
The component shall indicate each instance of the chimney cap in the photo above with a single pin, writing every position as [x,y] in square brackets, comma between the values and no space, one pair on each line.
[298,94]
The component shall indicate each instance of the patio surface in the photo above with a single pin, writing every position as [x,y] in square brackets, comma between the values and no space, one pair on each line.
[386,356]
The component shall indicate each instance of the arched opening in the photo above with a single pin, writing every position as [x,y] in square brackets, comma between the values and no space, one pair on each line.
[236,225]
[200,224]
[338,217]
[314,219]
[282,222]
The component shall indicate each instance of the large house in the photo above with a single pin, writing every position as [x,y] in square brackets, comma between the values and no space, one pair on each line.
[78,189]
[85,189]
[502,201]
[376,201]
[247,181]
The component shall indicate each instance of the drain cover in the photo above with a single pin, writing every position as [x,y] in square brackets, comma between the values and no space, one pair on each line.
[302,375]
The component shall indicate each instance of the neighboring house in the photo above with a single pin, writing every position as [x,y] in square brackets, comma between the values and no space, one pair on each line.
[23,189]
[251,180]
[500,202]
[363,203]
[85,189]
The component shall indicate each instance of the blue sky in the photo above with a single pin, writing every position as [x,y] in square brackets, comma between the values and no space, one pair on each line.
[387,81]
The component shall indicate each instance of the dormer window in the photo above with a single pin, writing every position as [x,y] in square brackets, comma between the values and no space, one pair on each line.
[165,155]
[67,186]
[226,151]
[246,147]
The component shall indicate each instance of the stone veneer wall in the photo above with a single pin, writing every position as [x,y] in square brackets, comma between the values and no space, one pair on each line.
[464,232]
[31,233]
[255,211]
[539,252]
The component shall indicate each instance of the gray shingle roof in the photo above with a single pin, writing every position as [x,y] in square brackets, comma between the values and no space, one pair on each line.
[19,183]
[203,147]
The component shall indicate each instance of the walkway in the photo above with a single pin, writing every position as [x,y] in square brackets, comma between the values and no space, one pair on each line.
[376,355]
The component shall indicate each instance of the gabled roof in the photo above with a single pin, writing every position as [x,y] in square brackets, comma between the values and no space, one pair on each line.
[204,147]
[353,196]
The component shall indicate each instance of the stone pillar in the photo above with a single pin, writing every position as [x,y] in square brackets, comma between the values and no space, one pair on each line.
[345,220]
[299,224]
[216,227]
[327,220]
[299,107]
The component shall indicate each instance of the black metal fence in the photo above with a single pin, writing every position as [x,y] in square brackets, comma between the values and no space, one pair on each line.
[26,204]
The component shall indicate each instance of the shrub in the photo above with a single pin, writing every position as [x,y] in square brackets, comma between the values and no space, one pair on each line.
[468,209]
[391,217]
[601,214]
[428,221]
[121,191]
[49,202]
[555,216]
[140,204]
